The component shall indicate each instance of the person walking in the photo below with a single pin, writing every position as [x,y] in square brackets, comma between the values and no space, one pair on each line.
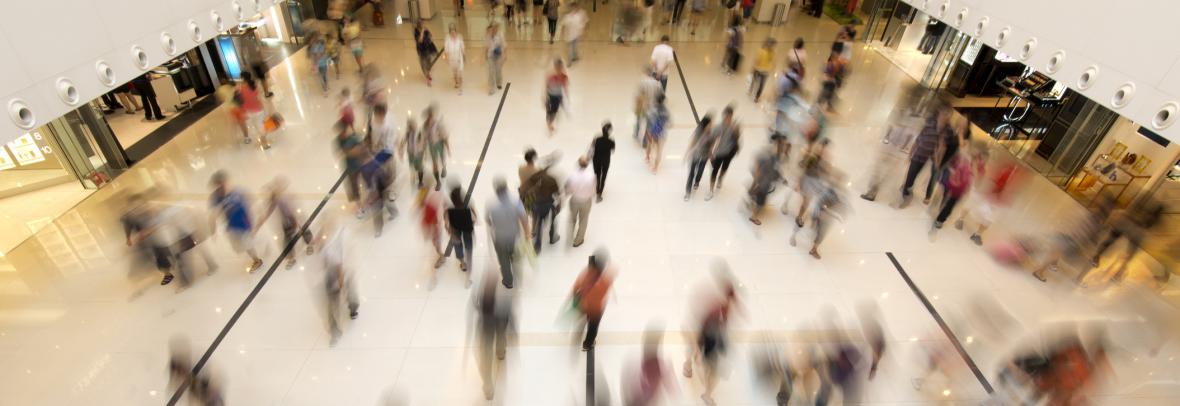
[338,282]
[797,58]
[588,295]
[318,52]
[542,191]
[700,149]
[351,149]
[231,204]
[289,222]
[456,53]
[600,152]
[437,143]
[460,221]
[733,46]
[414,147]
[662,57]
[138,222]
[763,65]
[495,320]
[727,142]
[507,221]
[649,89]
[424,45]
[556,92]
[658,121]
[833,79]
[928,141]
[497,54]
[581,188]
[551,14]
[352,35]
[956,182]
[712,340]
[766,175]
[510,13]
[430,210]
[147,96]
[572,27]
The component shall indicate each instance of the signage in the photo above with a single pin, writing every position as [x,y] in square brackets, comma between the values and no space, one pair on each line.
[26,150]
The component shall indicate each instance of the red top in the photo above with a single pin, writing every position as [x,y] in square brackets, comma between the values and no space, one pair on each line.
[592,290]
[249,97]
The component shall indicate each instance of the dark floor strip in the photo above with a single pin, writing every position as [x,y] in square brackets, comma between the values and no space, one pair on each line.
[287,249]
[684,82]
[482,154]
[941,324]
[590,389]
[160,136]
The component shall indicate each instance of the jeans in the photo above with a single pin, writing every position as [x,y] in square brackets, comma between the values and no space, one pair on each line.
[600,169]
[505,254]
[151,109]
[464,243]
[916,164]
[663,81]
[495,73]
[720,166]
[695,170]
[757,83]
[948,205]
[573,50]
[543,211]
[579,216]
[592,322]
[323,71]
[552,28]
[335,294]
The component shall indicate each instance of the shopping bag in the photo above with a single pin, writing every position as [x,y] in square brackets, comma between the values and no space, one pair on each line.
[524,249]
[272,123]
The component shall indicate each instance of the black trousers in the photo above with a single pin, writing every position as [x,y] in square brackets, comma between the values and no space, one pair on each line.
[720,166]
[151,109]
[916,164]
[678,11]
[111,101]
[757,83]
[695,170]
[600,169]
[591,330]
[948,205]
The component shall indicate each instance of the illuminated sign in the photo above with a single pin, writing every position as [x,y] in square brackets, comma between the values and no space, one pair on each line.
[26,150]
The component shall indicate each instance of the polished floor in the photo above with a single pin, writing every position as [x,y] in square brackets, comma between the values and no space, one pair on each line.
[77,328]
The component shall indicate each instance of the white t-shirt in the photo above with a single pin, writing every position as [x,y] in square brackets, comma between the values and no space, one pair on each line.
[384,135]
[661,58]
[581,185]
[455,49]
[574,24]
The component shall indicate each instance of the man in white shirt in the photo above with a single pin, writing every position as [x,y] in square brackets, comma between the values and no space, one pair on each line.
[573,26]
[581,189]
[662,58]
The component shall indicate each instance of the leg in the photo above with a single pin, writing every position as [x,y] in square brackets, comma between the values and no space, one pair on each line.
[947,206]
[936,173]
[541,213]
[147,111]
[487,340]
[504,252]
[592,322]
[583,221]
[553,225]
[911,175]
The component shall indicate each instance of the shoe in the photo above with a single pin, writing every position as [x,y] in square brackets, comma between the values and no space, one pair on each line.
[167,279]
[578,244]
[247,140]
[463,266]
[270,94]
[554,239]
[255,265]
[290,264]
[586,348]
[977,239]
[310,250]
[352,315]
[959,224]
[868,197]
[439,262]
[709,196]
[598,199]
[926,201]
[937,225]
[799,222]
[506,285]
[687,196]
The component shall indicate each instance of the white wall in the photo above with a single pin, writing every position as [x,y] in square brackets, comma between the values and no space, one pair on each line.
[1126,46]
[48,42]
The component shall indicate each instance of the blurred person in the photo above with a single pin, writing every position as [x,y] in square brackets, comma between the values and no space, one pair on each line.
[733,46]
[237,112]
[726,144]
[870,324]
[766,175]
[600,152]
[318,52]
[495,321]
[797,58]
[629,24]
[649,90]
[842,374]
[774,369]
[430,204]
[507,221]
[424,45]
[700,149]
[456,52]
[589,292]
[694,18]
[460,221]
[527,170]
[644,384]
[556,92]
[677,10]
[382,139]
[147,96]
[646,9]
[580,187]
[510,12]
[537,8]
[497,54]
[180,363]
[351,149]
[955,135]
[346,112]
[905,124]
[747,8]
[373,90]
[138,219]
[926,144]
[338,281]
[231,204]
[1076,237]
[788,103]
[658,121]
[352,35]
[414,147]
[995,195]
[825,201]
[833,79]
[247,93]
[552,12]
[956,182]
[1131,225]
[378,180]
[187,235]
[437,143]
[712,339]
[572,27]
[662,57]
[123,97]
[763,65]
[543,192]
[332,49]
[290,223]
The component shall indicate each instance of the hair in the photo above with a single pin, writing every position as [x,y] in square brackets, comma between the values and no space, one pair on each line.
[799,43]
[558,64]
[500,185]
[583,162]
[380,108]
[452,28]
[457,197]
[345,92]
[665,38]
[530,155]
[606,128]
[218,178]
[706,120]
[249,79]
[728,112]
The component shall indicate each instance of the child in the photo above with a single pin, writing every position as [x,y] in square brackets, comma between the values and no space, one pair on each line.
[763,65]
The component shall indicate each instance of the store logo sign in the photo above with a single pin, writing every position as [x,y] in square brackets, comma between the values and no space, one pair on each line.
[26,150]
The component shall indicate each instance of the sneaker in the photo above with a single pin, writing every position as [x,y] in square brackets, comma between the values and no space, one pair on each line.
[440,262]
[290,264]
[938,225]
[352,315]
[598,199]
[167,279]
[247,140]
[868,197]
[976,239]
[554,239]
[709,196]
[255,265]
[687,196]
